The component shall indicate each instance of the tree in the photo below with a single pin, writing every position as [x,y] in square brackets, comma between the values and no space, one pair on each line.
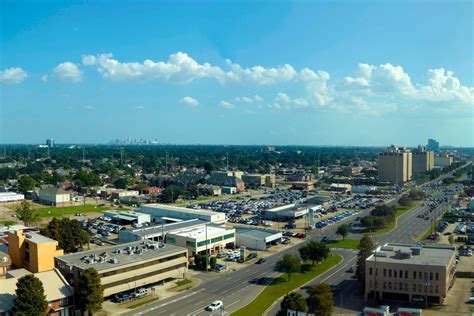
[319,300]
[171,193]
[86,179]
[314,251]
[366,247]
[91,293]
[416,194]
[343,231]
[26,183]
[294,301]
[25,213]
[451,239]
[404,201]
[213,262]
[30,298]
[68,233]
[289,264]
[121,183]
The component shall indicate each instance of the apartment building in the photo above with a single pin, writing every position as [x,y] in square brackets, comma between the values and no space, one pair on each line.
[259,180]
[54,196]
[443,160]
[195,238]
[407,271]
[126,266]
[395,165]
[422,160]
[32,251]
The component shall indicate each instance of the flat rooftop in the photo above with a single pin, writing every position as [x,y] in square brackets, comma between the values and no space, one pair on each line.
[37,238]
[140,252]
[257,233]
[165,228]
[198,231]
[432,255]
[179,209]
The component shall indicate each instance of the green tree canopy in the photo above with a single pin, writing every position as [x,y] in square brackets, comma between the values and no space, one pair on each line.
[30,298]
[86,179]
[343,231]
[404,201]
[314,251]
[121,183]
[25,213]
[91,293]
[294,301]
[171,193]
[366,247]
[26,183]
[319,300]
[68,233]
[289,264]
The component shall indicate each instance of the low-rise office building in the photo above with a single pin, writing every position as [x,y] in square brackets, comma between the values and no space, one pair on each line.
[259,180]
[32,251]
[159,211]
[341,187]
[126,266]
[257,239]
[128,217]
[406,271]
[54,196]
[302,185]
[198,239]
[285,213]
[59,293]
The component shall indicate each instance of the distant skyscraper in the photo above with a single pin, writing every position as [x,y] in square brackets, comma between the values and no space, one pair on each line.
[433,145]
[50,143]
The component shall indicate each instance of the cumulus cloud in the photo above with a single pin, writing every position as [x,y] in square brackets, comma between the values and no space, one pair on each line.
[258,98]
[68,71]
[189,101]
[285,99]
[14,75]
[226,105]
[44,78]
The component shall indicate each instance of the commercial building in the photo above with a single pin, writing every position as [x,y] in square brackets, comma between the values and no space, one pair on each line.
[11,197]
[208,189]
[159,211]
[128,217]
[364,189]
[432,145]
[126,266]
[259,180]
[32,251]
[422,160]
[302,185]
[198,239]
[50,143]
[285,213]
[406,271]
[257,239]
[340,187]
[59,293]
[395,165]
[443,160]
[120,193]
[54,196]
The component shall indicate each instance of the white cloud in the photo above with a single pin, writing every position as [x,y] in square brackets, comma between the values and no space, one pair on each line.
[226,105]
[68,71]
[44,78]
[258,98]
[261,75]
[189,101]
[285,99]
[14,75]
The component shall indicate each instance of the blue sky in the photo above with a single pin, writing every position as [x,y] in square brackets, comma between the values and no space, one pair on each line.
[238,72]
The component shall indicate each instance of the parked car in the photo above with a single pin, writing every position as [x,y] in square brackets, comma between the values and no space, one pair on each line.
[123,297]
[141,293]
[261,261]
[214,306]
[252,255]
[220,267]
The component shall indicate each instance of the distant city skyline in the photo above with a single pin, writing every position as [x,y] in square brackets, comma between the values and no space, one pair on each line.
[243,73]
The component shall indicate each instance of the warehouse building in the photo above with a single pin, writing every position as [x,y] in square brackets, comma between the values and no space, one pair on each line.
[285,213]
[126,266]
[257,239]
[411,271]
[160,211]
[128,217]
[11,197]
[198,239]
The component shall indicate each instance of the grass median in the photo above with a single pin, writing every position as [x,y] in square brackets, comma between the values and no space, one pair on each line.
[400,211]
[280,286]
[346,244]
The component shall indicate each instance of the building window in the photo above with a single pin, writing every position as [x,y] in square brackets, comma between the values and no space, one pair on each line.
[414,275]
[384,272]
[394,273]
[414,287]
[436,288]
[400,286]
[171,240]
[431,288]
[228,236]
[426,275]
[406,286]
[389,273]
[203,243]
[437,276]
[389,285]
[370,271]
[406,274]
[420,275]
[216,239]
[431,275]
[190,244]
[419,287]
[395,286]
[384,285]
[401,274]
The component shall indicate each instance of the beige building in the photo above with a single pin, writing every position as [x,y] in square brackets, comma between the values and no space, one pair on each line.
[195,238]
[5,263]
[54,196]
[422,160]
[395,165]
[126,266]
[259,180]
[409,271]
[32,251]
[443,160]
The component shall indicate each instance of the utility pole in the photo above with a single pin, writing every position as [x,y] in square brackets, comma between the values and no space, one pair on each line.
[227,159]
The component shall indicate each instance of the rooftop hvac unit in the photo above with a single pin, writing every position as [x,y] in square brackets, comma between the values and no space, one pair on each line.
[28,235]
[380,254]
[113,260]
[416,251]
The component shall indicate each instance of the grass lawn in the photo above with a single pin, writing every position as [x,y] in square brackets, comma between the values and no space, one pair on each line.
[67,210]
[143,301]
[400,211]
[280,286]
[347,244]
[7,223]
[183,282]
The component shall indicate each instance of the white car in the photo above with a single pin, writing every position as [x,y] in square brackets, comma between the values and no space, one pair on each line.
[214,306]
